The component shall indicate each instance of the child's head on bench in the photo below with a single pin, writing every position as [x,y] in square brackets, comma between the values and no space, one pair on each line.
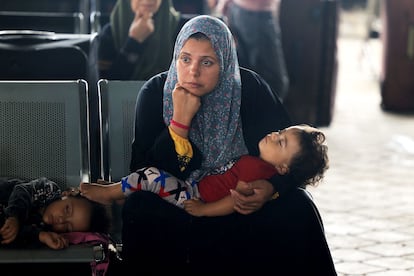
[75,213]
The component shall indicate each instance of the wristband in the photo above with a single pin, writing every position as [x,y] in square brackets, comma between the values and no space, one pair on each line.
[177,124]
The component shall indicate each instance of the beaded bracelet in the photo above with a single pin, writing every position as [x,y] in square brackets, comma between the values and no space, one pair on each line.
[177,124]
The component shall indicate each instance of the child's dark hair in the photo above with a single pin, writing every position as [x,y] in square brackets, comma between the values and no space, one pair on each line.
[310,163]
[101,215]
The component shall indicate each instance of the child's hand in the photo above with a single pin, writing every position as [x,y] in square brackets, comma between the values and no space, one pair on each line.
[53,240]
[194,207]
[9,230]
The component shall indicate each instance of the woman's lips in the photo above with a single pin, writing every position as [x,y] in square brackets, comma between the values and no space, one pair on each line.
[193,85]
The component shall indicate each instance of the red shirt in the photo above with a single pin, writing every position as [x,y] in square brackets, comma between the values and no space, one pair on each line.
[247,168]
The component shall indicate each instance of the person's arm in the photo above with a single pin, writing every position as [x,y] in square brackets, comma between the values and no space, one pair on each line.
[251,196]
[221,207]
[53,240]
[153,144]
[32,195]
[31,236]
[9,230]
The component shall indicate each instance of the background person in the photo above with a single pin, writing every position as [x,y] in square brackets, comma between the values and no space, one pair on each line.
[256,29]
[138,41]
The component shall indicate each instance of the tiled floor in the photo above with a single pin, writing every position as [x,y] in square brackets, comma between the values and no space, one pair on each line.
[367,197]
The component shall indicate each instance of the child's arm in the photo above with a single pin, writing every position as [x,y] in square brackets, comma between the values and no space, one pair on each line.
[29,235]
[9,230]
[30,196]
[221,207]
[53,240]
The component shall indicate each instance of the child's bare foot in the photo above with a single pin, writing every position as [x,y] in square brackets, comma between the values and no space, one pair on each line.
[102,193]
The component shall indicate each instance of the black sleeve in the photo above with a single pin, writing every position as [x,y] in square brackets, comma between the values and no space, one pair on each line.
[152,144]
[114,64]
[262,112]
[28,237]
[6,188]
[33,195]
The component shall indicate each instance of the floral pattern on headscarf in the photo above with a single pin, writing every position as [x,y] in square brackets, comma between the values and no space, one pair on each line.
[216,129]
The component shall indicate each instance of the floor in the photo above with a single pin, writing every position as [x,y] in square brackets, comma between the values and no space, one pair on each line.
[367,196]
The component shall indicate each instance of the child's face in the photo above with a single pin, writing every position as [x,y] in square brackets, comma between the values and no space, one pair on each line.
[68,215]
[278,148]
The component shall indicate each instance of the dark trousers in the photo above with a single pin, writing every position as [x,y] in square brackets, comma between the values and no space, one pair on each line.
[259,45]
[286,235]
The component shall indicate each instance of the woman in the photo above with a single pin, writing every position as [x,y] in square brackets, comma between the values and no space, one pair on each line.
[135,44]
[191,121]
[138,41]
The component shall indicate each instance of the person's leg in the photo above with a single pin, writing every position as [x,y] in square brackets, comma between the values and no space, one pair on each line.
[287,235]
[102,193]
[150,179]
[219,245]
[161,183]
[160,238]
[155,236]
[259,46]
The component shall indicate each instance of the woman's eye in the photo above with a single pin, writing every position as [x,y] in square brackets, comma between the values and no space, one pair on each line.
[185,59]
[207,62]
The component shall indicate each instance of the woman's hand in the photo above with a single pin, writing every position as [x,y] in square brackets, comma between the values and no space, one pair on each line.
[250,197]
[185,105]
[142,27]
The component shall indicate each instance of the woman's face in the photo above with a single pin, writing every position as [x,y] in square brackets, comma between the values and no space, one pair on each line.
[68,215]
[198,67]
[145,6]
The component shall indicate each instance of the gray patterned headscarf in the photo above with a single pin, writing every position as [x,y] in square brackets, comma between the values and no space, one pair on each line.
[216,129]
